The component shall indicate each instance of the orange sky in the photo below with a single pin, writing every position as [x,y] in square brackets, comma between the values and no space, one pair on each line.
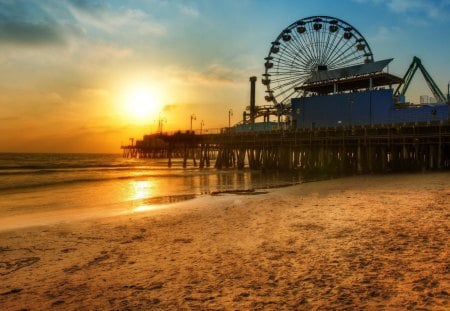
[73,73]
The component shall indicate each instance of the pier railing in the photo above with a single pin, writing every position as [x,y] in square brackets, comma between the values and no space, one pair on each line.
[375,148]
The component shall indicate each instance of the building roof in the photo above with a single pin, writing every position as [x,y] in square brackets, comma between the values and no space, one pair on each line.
[346,72]
[350,78]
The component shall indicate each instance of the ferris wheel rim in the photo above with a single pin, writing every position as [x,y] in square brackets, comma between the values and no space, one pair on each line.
[325,17]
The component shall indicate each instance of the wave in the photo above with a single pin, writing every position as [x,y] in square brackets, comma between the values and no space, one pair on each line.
[71,166]
[25,161]
[40,183]
[46,170]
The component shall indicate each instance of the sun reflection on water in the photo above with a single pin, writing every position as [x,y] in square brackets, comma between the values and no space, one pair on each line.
[143,208]
[141,189]
[146,195]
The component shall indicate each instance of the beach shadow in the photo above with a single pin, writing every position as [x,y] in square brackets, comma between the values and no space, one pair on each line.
[168,199]
[238,192]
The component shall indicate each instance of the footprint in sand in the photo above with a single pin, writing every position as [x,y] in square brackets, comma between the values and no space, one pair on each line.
[7,267]
[12,291]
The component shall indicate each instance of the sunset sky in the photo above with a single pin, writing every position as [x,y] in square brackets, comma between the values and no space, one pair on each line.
[73,73]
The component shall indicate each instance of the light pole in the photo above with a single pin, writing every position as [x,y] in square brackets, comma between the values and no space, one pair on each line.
[193,117]
[160,124]
[201,127]
[230,113]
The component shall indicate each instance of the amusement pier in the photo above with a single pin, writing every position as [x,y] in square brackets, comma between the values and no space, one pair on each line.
[334,110]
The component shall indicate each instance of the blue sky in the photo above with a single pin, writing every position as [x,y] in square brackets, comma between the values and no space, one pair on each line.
[66,64]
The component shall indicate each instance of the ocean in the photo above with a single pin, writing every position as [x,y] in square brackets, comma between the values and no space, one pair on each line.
[44,188]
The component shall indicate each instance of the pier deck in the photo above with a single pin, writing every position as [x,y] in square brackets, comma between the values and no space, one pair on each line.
[361,149]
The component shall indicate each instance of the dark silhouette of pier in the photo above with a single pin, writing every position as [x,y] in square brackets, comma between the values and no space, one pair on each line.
[340,150]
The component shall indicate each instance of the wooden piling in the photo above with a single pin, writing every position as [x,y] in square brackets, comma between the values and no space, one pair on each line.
[328,150]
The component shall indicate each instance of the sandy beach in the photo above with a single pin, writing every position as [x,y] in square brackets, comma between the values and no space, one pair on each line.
[355,243]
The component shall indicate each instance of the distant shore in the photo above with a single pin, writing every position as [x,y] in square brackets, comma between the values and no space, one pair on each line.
[363,242]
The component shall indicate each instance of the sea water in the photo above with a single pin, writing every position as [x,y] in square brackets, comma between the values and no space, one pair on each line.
[44,188]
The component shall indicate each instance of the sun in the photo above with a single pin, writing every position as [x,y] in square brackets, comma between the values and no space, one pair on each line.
[142,103]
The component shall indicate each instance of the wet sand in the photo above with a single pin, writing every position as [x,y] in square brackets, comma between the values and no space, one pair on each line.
[365,242]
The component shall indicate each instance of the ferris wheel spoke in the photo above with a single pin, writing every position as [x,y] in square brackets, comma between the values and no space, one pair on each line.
[282,68]
[316,35]
[287,51]
[347,47]
[349,60]
[290,56]
[285,91]
[322,34]
[344,52]
[329,47]
[309,51]
[289,74]
[295,63]
[292,80]
[283,82]
[319,45]
[285,73]
[288,95]
[309,42]
[311,45]
[286,80]
[293,52]
[338,46]
[289,77]
[301,43]
[325,39]
[286,70]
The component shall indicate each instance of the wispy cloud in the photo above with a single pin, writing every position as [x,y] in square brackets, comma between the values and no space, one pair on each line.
[9,119]
[24,33]
[112,20]
[436,10]
[170,107]
[188,11]
[212,74]
[40,23]
[385,34]
[26,23]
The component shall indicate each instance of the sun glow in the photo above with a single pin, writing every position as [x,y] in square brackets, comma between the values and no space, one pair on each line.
[142,103]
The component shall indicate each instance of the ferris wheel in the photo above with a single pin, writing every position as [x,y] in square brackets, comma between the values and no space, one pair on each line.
[316,43]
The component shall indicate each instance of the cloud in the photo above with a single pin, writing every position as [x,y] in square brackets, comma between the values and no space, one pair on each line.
[435,10]
[9,119]
[23,33]
[112,20]
[89,6]
[188,11]
[170,107]
[431,9]
[26,23]
[385,34]
[212,74]
[42,23]
[53,98]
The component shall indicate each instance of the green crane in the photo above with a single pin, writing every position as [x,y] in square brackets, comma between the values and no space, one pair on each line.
[417,63]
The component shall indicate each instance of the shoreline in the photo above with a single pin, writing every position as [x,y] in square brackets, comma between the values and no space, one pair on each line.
[358,242]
